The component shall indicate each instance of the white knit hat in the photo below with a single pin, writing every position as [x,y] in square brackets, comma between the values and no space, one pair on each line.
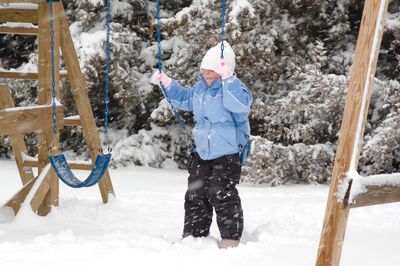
[213,56]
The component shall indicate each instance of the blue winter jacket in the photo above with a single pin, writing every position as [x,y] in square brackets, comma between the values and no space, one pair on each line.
[214,107]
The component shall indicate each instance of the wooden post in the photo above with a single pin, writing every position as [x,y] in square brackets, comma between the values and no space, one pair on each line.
[356,108]
[17,140]
[82,102]
[46,139]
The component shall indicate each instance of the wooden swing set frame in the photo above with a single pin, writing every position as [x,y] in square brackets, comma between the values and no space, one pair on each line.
[16,121]
[350,139]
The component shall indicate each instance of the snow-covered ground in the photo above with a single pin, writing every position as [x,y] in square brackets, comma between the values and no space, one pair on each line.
[142,226]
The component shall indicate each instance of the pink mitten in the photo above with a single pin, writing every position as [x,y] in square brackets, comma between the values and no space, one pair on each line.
[157,78]
[224,70]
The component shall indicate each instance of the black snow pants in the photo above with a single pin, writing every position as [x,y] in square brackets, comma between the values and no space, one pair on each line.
[211,185]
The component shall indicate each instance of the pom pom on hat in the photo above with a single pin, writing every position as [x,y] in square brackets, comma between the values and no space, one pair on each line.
[212,57]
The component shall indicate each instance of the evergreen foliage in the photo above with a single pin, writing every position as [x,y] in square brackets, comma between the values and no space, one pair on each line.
[295,56]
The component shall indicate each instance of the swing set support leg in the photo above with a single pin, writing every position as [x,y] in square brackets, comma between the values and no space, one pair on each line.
[79,91]
[46,140]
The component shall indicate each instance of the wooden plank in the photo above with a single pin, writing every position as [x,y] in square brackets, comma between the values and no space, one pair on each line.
[16,201]
[21,1]
[19,15]
[72,121]
[26,75]
[18,30]
[72,164]
[376,195]
[33,119]
[41,192]
[46,138]
[19,197]
[17,140]
[82,102]
[362,75]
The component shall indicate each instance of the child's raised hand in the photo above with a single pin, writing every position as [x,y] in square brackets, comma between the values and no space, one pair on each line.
[224,70]
[157,78]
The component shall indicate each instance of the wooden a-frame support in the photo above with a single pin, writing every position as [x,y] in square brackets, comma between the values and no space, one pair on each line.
[39,118]
[351,134]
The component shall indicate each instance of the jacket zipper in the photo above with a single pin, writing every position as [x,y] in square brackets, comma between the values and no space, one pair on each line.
[208,135]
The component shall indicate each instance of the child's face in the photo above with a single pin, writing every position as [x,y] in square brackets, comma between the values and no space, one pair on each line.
[210,76]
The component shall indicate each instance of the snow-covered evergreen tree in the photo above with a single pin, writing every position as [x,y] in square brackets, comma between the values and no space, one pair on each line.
[295,56]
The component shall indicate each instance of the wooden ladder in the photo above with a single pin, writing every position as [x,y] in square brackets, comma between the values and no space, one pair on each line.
[33,19]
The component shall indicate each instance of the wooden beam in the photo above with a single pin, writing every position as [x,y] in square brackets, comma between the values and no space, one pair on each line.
[21,1]
[72,164]
[18,30]
[376,195]
[17,140]
[72,121]
[82,102]
[19,197]
[45,67]
[18,15]
[20,120]
[41,192]
[26,75]
[356,108]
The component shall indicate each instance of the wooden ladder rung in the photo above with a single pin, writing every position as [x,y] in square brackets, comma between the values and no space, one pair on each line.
[19,120]
[81,165]
[18,15]
[376,195]
[4,29]
[5,74]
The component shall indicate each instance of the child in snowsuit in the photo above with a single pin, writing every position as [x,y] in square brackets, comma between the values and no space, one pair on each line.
[220,103]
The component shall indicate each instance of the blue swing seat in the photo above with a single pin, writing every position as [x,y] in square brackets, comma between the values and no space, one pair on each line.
[60,166]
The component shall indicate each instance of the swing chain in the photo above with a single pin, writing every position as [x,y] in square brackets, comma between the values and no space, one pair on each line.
[107,85]
[53,82]
[223,27]
[159,65]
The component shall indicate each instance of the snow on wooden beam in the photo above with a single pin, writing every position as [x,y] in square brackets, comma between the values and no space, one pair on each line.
[376,195]
[18,30]
[373,190]
[32,193]
[29,119]
[22,1]
[4,74]
[19,197]
[72,121]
